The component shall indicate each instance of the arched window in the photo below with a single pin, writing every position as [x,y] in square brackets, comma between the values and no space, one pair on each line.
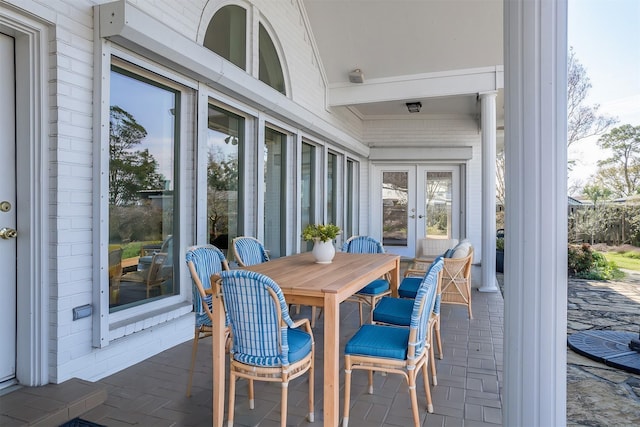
[270,68]
[227,35]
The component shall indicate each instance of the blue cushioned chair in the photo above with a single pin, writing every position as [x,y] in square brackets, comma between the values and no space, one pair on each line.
[250,251]
[375,290]
[203,261]
[265,344]
[397,311]
[395,349]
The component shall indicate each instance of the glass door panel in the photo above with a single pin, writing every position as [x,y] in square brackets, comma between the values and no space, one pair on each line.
[225,139]
[274,191]
[416,202]
[438,204]
[397,224]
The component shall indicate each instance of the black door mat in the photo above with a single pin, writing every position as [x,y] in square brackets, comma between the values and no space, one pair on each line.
[79,422]
[608,347]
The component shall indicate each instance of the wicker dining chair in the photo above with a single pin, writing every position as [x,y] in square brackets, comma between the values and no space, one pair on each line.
[397,311]
[265,342]
[394,349]
[376,289]
[203,261]
[248,251]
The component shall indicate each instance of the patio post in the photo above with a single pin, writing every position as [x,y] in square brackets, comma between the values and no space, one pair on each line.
[488,117]
[535,306]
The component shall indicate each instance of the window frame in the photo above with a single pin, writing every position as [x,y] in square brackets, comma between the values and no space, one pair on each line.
[109,326]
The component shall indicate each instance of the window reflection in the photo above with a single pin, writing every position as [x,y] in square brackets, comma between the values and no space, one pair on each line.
[274,192]
[332,189]
[307,197]
[270,70]
[227,36]
[394,208]
[225,138]
[351,199]
[438,204]
[142,137]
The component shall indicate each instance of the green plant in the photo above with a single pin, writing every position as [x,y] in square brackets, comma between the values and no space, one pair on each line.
[500,244]
[322,232]
[585,263]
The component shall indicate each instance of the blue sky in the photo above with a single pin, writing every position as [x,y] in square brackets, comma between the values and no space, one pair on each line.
[605,35]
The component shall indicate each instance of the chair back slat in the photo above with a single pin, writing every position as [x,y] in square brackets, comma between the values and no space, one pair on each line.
[249,251]
[205,261]
[362,245]
[258,317]
[423,305]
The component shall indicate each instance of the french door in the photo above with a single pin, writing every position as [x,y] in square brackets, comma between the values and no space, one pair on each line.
[7,212]
[413,202]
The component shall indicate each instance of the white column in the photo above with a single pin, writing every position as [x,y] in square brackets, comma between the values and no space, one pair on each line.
[535,40]
[488,117]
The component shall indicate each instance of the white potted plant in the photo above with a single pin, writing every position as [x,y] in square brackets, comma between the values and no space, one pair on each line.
[322,236]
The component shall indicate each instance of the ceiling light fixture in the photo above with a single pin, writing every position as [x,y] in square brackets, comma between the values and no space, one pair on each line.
[414,107]
[356,76]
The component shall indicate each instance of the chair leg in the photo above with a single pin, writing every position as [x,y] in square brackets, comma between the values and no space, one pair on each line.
[427,390]
[347,391]
[360,311]
[283,404]
[432,362]
[311,374]
[439,337]
[313,316]
[194,351]
[252,401]
[232,398]
[414,399]
[469,300]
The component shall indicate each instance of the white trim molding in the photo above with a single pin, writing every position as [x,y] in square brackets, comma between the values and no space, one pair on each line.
[32,169]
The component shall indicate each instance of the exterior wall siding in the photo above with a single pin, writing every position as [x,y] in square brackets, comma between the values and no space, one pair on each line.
[71,184]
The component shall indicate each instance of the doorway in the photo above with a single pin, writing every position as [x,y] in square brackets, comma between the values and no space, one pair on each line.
[8,247]
[416,202]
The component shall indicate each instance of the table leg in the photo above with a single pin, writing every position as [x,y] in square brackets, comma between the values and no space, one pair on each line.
[218,348]
[331,396]
[395,279]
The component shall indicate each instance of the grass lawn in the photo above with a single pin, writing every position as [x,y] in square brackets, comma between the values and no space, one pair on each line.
[625,260]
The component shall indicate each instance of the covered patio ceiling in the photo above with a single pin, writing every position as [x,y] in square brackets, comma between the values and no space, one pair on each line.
[439,52]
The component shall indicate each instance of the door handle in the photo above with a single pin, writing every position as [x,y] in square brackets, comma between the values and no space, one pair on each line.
[420,216]
[412,216]
[8,233]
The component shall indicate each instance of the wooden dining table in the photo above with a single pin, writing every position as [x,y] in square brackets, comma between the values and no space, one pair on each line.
[305,282]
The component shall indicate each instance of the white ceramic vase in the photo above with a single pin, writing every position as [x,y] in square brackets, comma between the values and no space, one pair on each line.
[323,252]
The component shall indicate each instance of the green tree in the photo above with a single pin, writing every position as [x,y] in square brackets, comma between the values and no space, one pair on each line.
[594,220]
[130,170]
[583,120]
[620,173]
[222,190]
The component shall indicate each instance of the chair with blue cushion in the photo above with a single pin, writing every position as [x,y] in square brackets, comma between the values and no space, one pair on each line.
[203,261]
[265,343]
[395,349]
[397,311]
[378,288]
[250,251]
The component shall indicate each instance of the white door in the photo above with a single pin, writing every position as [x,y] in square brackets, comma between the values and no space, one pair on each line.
[415,202]
[7,212]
